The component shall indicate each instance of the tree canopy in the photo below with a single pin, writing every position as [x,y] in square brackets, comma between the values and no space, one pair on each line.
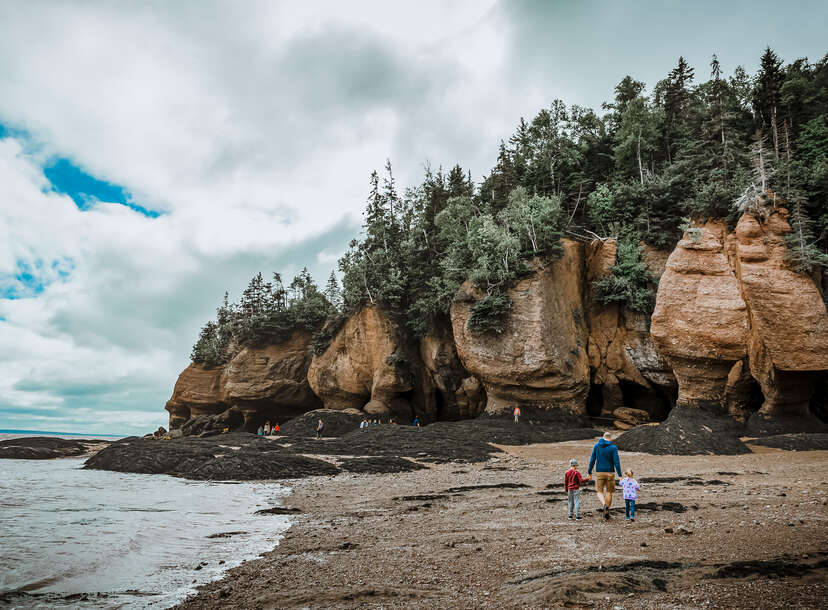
[638,169]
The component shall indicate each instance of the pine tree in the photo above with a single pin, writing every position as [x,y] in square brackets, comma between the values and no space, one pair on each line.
[333,292]
[802,255]
[766,97]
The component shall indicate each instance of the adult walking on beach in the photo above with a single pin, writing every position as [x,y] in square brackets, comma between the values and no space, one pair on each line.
[517,414]
[319,427]
[604,459]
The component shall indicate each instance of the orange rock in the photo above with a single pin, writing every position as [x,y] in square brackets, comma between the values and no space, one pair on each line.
[265,383]
[700,320]
[356,370]
[540,359]
[788,325]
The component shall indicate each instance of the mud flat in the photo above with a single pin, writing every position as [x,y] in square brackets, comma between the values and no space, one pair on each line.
[738,531]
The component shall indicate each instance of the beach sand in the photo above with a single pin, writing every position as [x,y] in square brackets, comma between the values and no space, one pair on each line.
[757,528]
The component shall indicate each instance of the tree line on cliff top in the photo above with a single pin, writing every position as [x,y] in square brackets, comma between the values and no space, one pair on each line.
[651,165]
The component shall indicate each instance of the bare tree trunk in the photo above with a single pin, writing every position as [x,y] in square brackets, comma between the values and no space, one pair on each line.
[640,170]
[775,132]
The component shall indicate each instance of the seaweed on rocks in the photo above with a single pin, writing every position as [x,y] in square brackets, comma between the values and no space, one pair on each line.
[686,431]
[760,425]
[337,423]
[795,442]
[244,456]
[235,456]
[43,448]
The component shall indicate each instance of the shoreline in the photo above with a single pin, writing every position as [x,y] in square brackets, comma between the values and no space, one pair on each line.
[431,538]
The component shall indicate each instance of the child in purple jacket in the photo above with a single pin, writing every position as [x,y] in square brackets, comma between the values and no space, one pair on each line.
[630,487]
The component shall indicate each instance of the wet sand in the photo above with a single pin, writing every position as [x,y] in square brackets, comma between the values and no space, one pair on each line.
[751,533]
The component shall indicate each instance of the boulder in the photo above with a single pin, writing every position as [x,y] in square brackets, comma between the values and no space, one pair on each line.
[700,322]
[631,416]
[540,359]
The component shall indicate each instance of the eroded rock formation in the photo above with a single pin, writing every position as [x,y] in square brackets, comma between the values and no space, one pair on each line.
[700,320]
[368,367]
[263,383]
[787,340]
[540,359]
[731,313]
[626,370]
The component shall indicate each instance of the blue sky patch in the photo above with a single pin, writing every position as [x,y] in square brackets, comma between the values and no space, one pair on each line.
[69,179]
[84,189]
[30,279]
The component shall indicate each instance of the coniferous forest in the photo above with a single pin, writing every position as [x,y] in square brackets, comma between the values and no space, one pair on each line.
[648,165]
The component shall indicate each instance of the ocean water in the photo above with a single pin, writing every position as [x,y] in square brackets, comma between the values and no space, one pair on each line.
[93,539]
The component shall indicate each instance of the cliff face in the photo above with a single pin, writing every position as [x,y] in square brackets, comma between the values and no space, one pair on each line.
[365,366]
[729,311]
[267,383]
[787,340]
[626,370]
[732,327]
[540,360]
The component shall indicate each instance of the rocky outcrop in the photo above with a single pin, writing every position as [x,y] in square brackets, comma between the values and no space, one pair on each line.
[540,360]
[731,317]
[459,395]
[368,367]
[787,341]
[626,370]
[262,383]
[700,322]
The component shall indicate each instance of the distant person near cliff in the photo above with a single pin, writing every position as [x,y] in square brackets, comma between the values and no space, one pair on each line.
[517,414]
[604,459]
[417,422]
[319,427]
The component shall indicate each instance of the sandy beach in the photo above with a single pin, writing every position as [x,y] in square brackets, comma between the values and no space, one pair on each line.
[745,531]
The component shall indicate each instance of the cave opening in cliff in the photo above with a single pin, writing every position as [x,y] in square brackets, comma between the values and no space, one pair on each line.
[595,400]
[440,410]
[647,399]
[819,399]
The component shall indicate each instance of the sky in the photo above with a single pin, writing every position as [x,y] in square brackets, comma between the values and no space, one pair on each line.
[156,154]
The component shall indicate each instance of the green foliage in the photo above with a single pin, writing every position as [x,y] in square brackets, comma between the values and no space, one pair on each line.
[489,314]
[628,282]
[266,313]
[802,255]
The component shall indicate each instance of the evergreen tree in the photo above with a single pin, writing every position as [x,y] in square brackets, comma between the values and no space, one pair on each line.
[767,94]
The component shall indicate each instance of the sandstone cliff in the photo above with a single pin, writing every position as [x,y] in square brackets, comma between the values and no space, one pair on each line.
[729,311]
[626,370]
[540,360]
[263,383]
[787,340]
[733,329]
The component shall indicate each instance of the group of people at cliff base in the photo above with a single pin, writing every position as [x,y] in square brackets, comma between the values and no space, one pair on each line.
[605,461]
[370,423]
[268,430]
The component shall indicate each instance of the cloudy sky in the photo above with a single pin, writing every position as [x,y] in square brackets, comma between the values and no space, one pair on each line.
[154,154]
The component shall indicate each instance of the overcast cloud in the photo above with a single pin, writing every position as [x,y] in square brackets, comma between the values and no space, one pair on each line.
[251,128]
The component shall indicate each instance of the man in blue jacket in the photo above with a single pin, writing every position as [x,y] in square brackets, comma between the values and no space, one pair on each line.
[604,459]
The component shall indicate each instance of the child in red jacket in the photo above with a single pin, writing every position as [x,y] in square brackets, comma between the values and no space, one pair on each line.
[572,484]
